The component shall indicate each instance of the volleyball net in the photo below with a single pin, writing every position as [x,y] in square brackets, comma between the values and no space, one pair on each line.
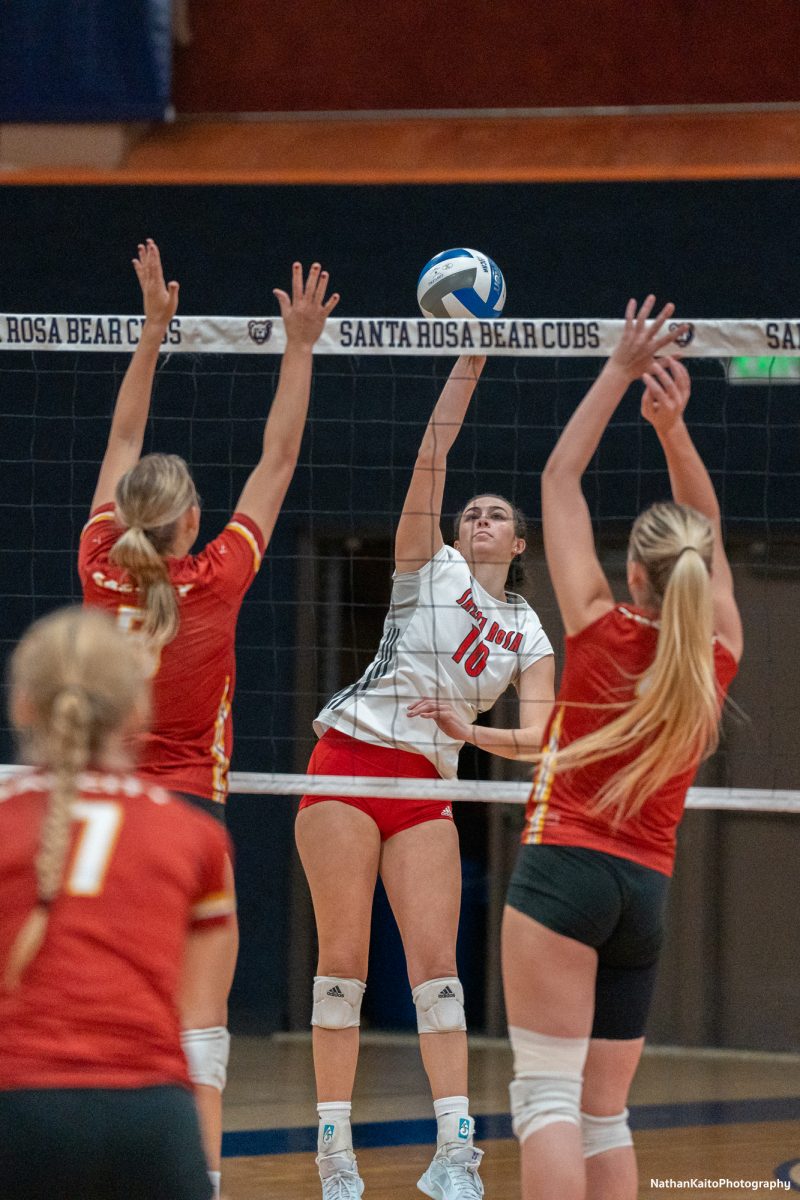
[312,621]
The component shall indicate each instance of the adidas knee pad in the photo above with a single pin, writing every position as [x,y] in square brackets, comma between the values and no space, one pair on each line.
[337,1002]
[548,1080]
[440,1006]
[206,1052]
[604,1133]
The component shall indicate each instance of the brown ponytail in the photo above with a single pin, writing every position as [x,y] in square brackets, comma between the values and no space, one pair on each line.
[150,498]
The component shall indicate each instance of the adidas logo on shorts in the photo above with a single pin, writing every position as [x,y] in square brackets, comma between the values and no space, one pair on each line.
[447,811]
[446,993]
[336,992]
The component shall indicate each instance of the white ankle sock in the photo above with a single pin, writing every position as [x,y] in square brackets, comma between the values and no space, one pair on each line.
[454,1124]
[334,1135]
[215,1177]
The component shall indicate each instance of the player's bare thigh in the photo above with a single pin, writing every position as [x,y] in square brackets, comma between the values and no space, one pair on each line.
[339,847]
[421,871]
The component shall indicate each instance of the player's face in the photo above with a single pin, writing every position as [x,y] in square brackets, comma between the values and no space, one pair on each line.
[486,531]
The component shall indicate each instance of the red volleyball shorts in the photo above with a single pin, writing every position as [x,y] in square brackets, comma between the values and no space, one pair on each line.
[339,754]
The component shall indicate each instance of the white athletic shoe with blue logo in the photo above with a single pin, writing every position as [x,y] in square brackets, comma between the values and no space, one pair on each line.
[453,1175]
[340,1177]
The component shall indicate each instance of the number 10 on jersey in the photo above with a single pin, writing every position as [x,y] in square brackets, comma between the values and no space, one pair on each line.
[476,660]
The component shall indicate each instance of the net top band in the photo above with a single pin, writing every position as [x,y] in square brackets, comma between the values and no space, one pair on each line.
[535,337]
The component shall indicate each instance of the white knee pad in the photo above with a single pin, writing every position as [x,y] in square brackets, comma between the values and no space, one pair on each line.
[206,1052]
[604,1133]
[337,1002]
[440,1006]
[548,1079]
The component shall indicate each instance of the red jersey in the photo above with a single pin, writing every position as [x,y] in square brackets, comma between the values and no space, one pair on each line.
[96,1007]
[189,746]
[601,662]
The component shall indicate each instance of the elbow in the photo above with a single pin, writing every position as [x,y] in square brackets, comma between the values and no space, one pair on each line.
[560,469]
[553,472]
[528,746]
[429,459]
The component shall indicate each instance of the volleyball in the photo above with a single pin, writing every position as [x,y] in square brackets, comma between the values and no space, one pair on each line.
[461,283]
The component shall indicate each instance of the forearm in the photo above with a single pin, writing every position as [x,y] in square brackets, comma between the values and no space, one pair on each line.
[132,406]
[449,412]
[283,431]
[520,745]
[689,479]
[582,433]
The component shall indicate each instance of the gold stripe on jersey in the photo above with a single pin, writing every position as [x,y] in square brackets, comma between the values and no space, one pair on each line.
[249,538]
[97,518]
[221,762]
[218,904]
[543,783]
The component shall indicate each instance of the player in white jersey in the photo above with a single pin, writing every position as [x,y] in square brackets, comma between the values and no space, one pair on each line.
[453,641]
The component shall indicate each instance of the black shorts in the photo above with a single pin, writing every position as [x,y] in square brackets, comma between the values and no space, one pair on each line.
[610,903]
[214,808]
[101,1144]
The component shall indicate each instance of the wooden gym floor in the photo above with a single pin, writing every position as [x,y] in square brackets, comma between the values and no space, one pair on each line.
[702,1115]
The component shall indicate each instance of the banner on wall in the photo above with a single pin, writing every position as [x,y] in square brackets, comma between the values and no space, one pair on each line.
[85,60]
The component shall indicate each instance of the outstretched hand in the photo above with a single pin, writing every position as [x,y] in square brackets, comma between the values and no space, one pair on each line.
[160,299]
[305,313]
[666,394]
[640,342]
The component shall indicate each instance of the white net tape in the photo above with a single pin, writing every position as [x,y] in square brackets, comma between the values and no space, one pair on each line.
[257,783]
[541,337]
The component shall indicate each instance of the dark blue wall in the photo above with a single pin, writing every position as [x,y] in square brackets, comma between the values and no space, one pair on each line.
[717,249]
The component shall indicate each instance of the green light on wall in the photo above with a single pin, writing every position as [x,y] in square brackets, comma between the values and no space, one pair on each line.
[766,369]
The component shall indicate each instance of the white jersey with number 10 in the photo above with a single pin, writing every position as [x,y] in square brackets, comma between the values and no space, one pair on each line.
[444,638]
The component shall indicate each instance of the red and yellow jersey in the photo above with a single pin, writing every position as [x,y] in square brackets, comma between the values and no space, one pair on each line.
[601,665]
[96,1007]
[189,746]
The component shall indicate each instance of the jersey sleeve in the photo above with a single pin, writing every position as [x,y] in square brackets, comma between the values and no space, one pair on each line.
[214,903]
[232,560]
[445,556]
[98,535]
[536,644]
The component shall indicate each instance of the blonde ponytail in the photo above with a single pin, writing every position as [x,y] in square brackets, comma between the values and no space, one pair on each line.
[68,750]
[150,498]
[673,721]
[80,679]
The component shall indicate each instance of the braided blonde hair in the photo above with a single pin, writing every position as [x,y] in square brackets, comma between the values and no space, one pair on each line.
[673,721]
[78,680]
[150,498]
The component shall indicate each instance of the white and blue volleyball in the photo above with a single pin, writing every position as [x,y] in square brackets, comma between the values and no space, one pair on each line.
[461,283]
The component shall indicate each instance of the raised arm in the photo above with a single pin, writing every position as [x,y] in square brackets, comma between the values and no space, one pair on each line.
[419,534]
[132,406]
[581,588]
[304,316]
[666,394]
